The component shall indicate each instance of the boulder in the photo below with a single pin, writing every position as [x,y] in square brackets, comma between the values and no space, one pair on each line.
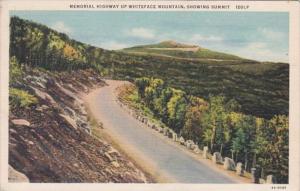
[161,130]
[255,175]
[166,131]
[115,164]
[41,85]
[12,130]
[110,158]
[189,144]
[113,151]
[44,96]
[82,110]
[153,127]
[69,111]
[271,179]
[71,121]
[217,158]
[181,140]
[145,120]
[196,149]
[262,181]
[141,119]
[175,137]
[20,122]
[239,169]
[229,164]
[170,134]
[30,142]
[158,129]
[42,108]
[39,81]
[205,152]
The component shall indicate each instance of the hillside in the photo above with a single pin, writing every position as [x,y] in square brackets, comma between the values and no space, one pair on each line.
[179,50]
[51,138]
[262,89]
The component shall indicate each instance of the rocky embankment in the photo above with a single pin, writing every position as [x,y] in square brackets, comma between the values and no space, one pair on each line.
[52,140]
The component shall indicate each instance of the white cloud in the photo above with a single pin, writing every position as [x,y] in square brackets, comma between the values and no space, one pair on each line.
[205,38]
[62,27]
[143,33]
[113,45]
[256,45]
[261,51]
[270,34]
[201,38]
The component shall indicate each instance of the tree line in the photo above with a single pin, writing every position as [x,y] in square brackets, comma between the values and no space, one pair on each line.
[221,126]
[37,45]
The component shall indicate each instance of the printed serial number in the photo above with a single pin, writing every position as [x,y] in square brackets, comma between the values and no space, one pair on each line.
[278,187]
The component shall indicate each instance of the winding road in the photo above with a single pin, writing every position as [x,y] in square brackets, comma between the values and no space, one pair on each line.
[150,149]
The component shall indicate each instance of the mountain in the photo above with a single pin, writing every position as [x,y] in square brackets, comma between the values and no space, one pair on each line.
[179,50]
[261,88]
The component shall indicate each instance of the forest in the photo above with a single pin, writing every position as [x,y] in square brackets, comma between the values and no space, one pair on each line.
[261,88]
[219,124]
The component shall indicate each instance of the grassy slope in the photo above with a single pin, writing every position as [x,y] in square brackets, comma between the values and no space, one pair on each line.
[202,53]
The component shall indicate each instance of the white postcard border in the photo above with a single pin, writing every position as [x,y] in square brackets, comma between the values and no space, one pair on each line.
[261,6]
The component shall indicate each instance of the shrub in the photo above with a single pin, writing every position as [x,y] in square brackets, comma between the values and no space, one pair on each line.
[15,70]
[21,98]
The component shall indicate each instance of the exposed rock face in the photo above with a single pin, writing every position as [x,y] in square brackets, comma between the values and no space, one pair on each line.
[229,164]
[56,145]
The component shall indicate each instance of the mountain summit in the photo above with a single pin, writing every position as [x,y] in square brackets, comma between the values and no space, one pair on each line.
[175,49]
[174,44]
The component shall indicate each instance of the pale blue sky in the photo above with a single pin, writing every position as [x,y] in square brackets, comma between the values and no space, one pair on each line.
[255,35]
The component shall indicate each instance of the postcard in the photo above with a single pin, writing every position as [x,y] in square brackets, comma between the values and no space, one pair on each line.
[150,95]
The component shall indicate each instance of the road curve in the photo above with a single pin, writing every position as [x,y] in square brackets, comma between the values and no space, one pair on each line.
[166,158]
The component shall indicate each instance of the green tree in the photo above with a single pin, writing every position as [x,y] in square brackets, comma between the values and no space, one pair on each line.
[177,109]
[160,104]
[215,124]
[15,70]
[141,84]
[244,136]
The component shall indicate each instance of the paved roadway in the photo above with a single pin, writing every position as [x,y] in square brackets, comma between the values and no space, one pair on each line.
[168,159]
